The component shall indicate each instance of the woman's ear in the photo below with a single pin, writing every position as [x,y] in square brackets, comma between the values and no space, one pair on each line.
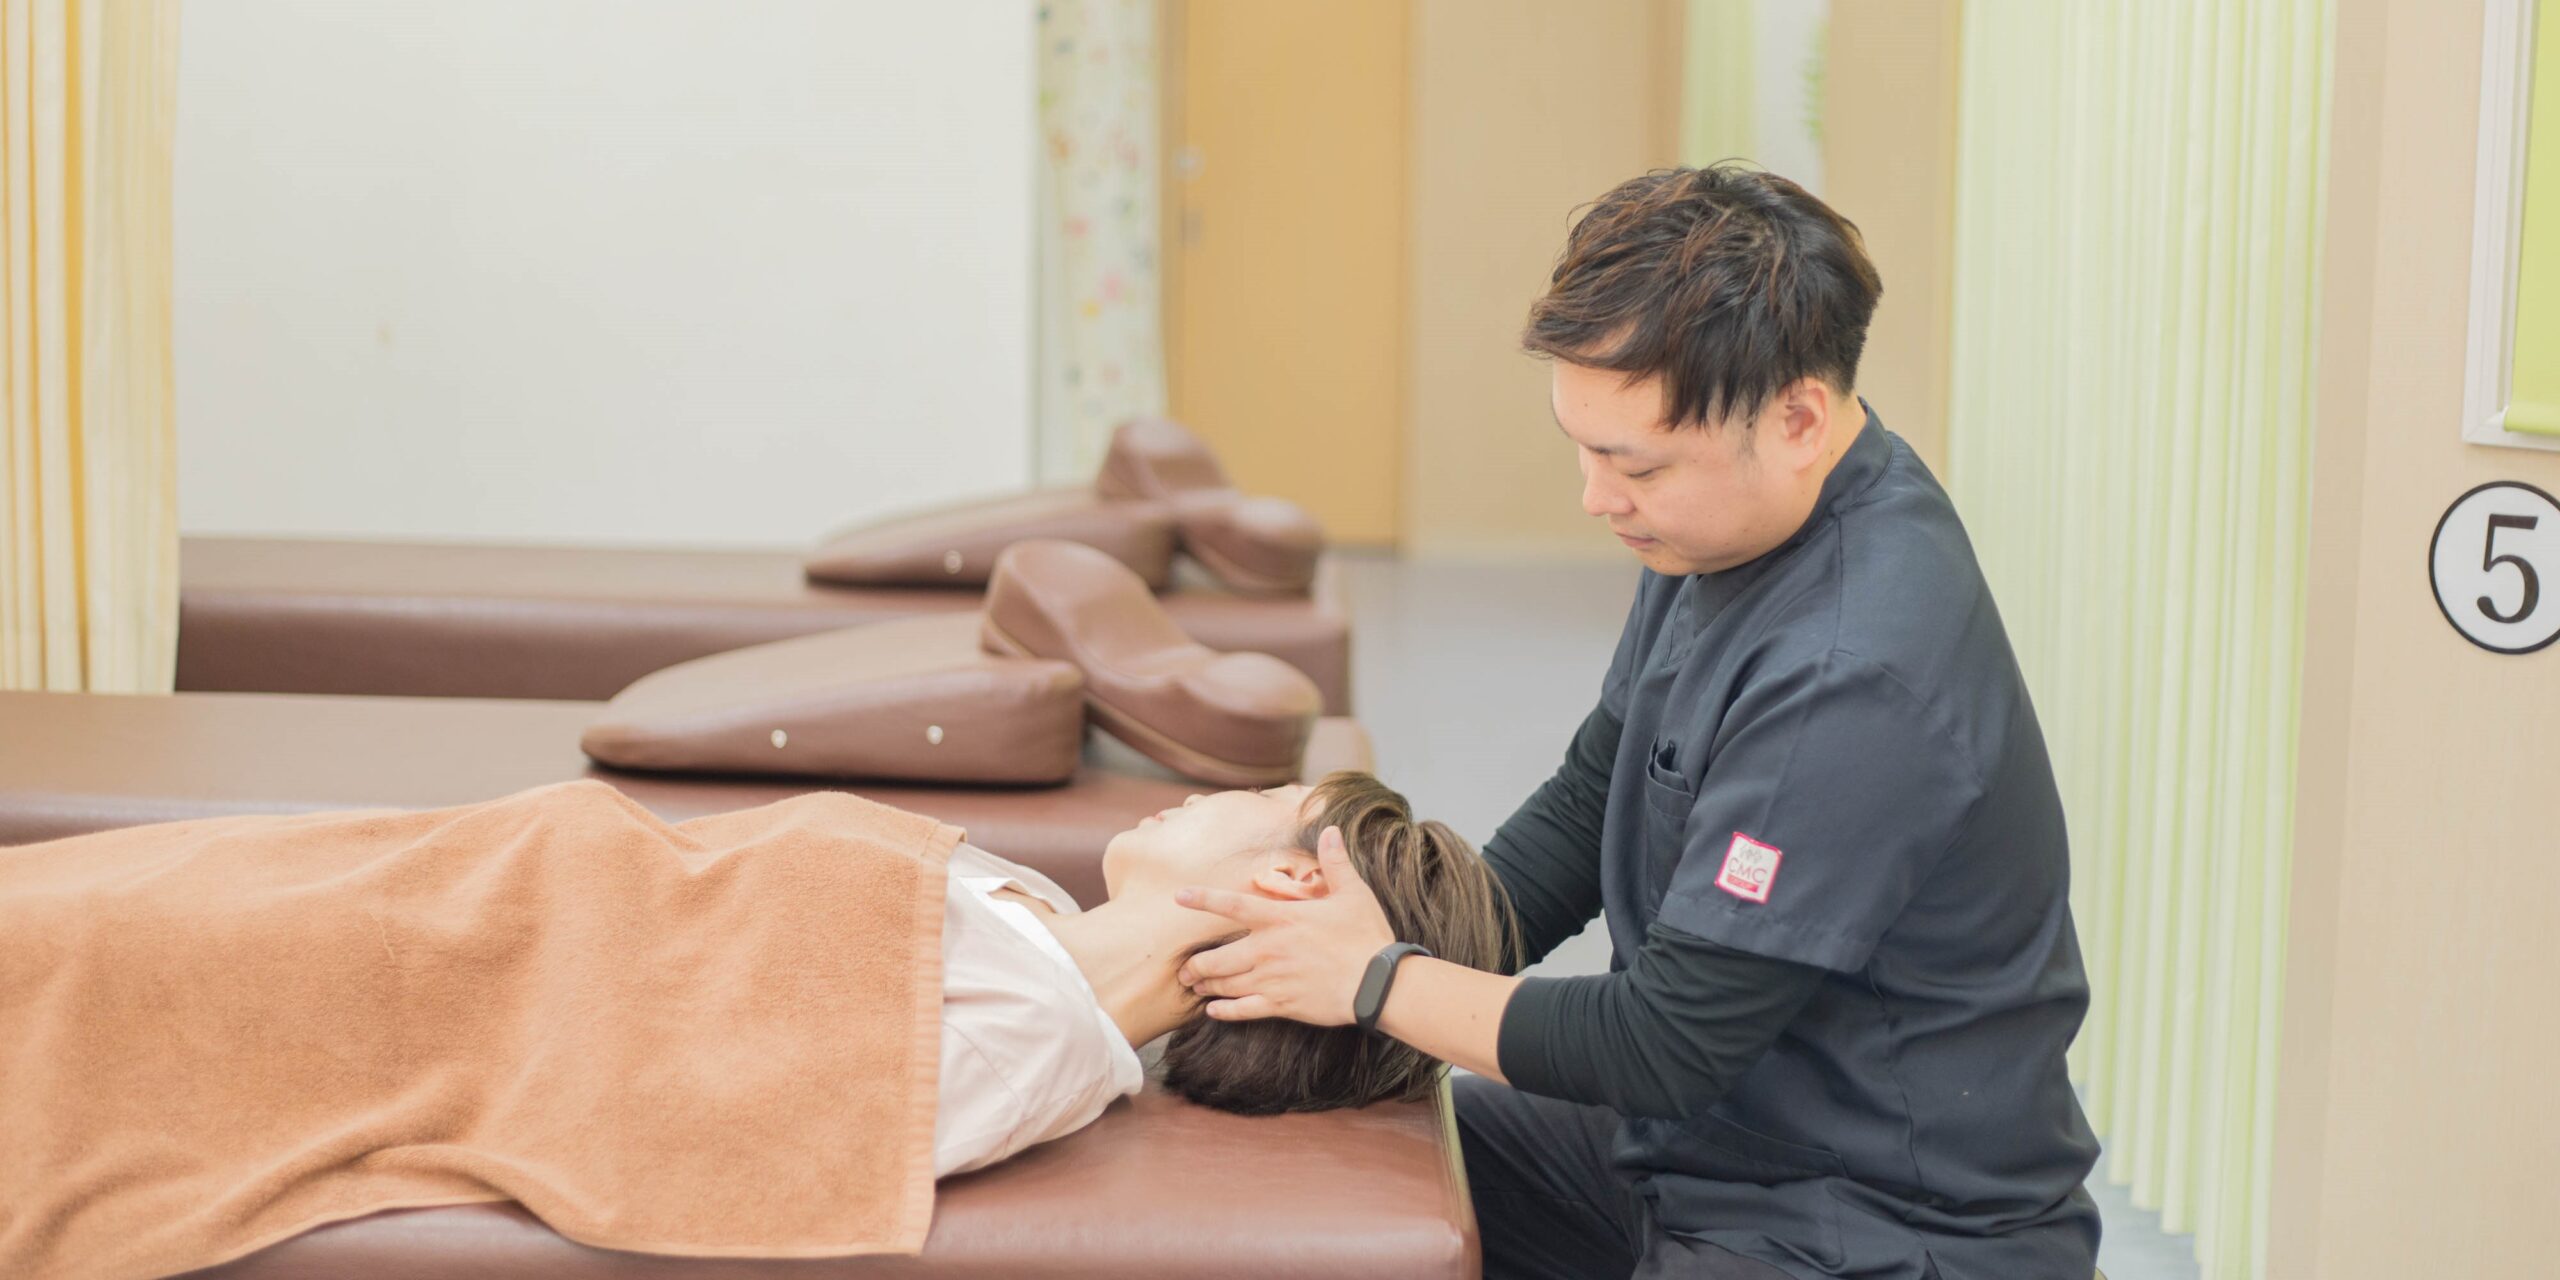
[1291,876]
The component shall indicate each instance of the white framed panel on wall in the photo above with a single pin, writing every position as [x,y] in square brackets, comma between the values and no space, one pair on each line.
[609,271]
[2507,55]
[1752,85]
[1787,91]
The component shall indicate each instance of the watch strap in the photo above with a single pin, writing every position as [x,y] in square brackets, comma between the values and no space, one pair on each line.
[1371,999]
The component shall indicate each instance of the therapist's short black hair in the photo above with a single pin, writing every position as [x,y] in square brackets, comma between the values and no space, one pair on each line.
[1729,282]
[1435,890]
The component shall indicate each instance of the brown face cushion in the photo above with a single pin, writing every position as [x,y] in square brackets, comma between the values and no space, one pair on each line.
[1260,545]
[913,700]
[957,545]
[1233,719]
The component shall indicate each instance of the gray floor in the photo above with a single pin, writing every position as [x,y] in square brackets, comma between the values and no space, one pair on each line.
[1472,678]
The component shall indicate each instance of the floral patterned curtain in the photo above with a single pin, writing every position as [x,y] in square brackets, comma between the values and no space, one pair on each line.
[1101,329]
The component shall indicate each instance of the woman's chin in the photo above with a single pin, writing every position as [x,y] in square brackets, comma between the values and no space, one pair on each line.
[1111,867]
[1124,859]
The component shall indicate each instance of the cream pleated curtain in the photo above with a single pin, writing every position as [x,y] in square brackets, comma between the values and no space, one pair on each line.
[2137,230]
[1101,305]
[88,479]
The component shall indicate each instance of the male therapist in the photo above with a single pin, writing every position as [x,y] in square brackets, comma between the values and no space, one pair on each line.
[1813,803]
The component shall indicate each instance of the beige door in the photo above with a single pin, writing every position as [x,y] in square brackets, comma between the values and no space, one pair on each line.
[1284,247]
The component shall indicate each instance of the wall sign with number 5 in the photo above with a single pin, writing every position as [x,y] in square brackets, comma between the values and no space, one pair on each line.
[2496,566]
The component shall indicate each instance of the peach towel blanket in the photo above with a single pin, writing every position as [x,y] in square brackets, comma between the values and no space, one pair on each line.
[719,1037]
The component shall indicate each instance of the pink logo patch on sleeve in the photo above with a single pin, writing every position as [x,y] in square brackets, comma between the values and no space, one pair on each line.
[1750,867]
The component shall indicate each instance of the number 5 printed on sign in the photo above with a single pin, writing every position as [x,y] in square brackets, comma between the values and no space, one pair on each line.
[2491,553]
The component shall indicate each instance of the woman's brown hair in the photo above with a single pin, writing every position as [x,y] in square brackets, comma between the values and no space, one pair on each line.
[1436,892]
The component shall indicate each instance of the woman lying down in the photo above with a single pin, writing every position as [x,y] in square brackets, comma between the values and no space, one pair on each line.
[763,1033]
[1043,1006]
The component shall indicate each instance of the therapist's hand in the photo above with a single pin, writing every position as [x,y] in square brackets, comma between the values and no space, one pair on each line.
[1303,960]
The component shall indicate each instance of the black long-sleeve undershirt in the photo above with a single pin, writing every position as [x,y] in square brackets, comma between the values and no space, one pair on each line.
[1667,1035]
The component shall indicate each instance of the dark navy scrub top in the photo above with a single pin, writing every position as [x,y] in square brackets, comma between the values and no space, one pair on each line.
[1829,757]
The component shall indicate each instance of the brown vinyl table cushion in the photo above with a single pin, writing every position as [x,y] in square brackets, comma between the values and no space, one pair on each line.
[482,621]
[957,545]
[1156,1187]
[916,700]
[78,762]
[1262,545]
[1234,719]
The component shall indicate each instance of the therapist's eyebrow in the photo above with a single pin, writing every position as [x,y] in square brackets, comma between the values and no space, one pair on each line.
[1604,450]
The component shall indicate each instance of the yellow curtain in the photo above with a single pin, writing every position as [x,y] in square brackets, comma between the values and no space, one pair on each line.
[2535,404]
[88,478]
[2138,206]
[1717,83]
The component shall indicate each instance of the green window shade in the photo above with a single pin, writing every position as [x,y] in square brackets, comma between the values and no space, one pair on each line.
[2138,195]
[2534,405]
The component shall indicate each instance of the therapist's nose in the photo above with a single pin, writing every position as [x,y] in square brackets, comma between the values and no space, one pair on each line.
[1599,498]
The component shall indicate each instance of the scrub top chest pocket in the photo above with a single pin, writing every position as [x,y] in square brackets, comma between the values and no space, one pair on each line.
[1669,796]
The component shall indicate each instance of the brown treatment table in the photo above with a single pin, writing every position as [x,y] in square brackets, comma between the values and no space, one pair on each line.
[473,621]
[1157,1187]
[72,763]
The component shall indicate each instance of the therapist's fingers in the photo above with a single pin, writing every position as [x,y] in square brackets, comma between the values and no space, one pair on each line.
[1243,908]
[1240,985]
[1335,858]
[1244,1009]
[1219,962]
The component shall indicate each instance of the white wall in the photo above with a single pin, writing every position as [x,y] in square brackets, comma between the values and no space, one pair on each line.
[654,271]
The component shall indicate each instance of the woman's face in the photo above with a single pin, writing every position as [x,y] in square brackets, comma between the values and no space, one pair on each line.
[1196,842]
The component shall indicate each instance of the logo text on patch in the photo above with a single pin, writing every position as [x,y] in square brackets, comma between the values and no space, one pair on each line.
[1750,867]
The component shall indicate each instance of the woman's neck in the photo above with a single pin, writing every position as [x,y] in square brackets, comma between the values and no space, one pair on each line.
[1129,950]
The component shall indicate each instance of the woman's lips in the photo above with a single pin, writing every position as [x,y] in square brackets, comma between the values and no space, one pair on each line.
[1634,541]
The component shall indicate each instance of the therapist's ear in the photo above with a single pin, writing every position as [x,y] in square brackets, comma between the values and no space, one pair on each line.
[1290,876]
[1806,413]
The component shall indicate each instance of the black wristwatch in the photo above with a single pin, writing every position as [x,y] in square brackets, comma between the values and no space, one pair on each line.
[1381,975]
